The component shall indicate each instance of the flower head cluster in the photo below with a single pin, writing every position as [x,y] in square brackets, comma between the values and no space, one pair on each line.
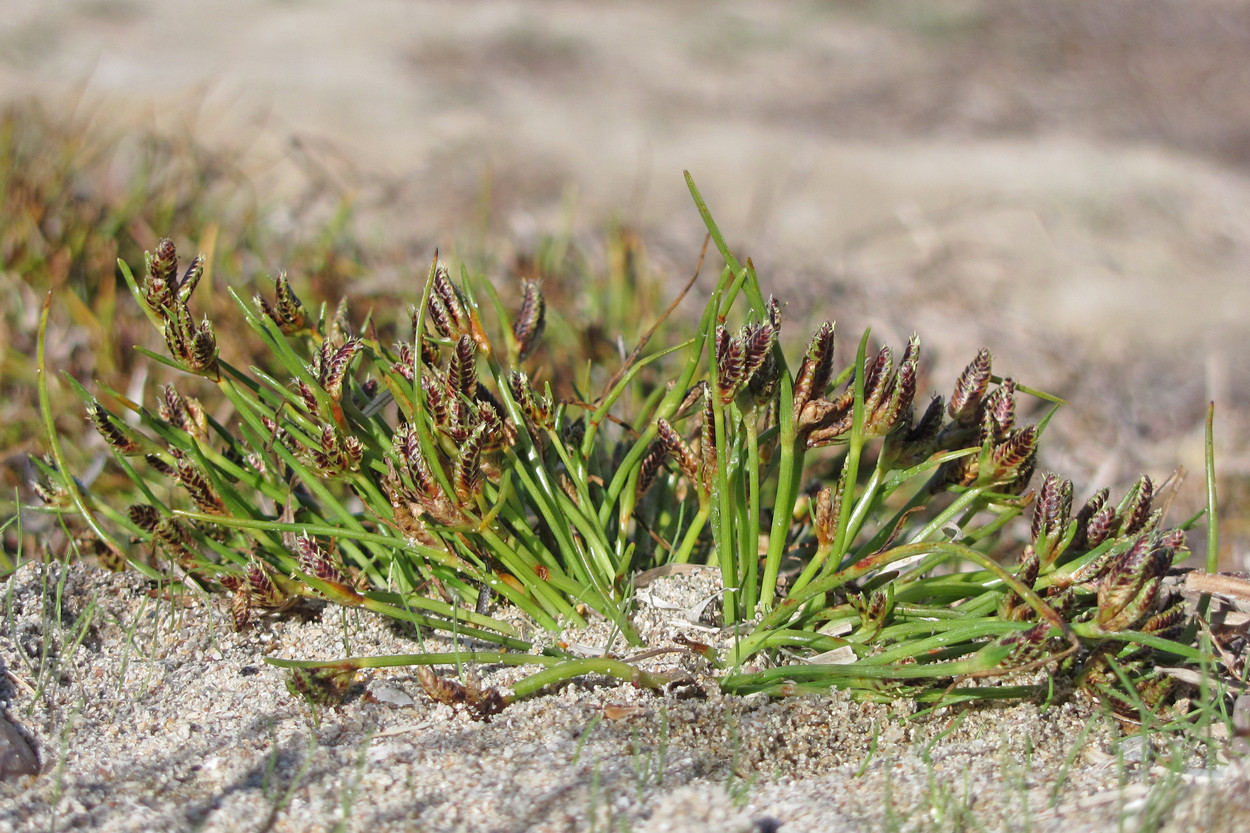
[166,295]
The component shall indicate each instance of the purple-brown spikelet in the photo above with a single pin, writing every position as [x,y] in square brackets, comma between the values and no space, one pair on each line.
[289,309]
[694,396]
[191,278]
[707,444]
[440,318]
[1155,689]
[1134,509]
[521,392]
[1029,567]
[1085,516]
[1051,515]
[1125,602]
[334,368]
[172,408]
[687,460]
[163,262]
[329,440]
[403,364]
[200,488]
[176,540]
[468,472]
[530,319]
[1000,405]
[435,400]
[1127,591]
[400,439]
[496,431]
[878,379]
[757,340]
[159,464]
[266,310]
[1101,526]
[1173,540]
[536,408]
[314,560]
[878,607]
[183,412]
[569,488]
[162,269]
[256,463]
[729,364]
[763,382]
[965,404]
[284,437]
[446,308]
[481,703]
[1010,456]
[308,397]
[144,516]
[392,483]
[904,395]
[1024,473]
[1028,646]
[240,603]
[431,355]
[825,513]
[825,422]
[762,372]
[109,429]
[650,467]
[202,353]
[817,368]
[177,323]
[261,585]
[423,477]
[462,370]
[1050,510]
[1167,623]
[501,432]
[255,588]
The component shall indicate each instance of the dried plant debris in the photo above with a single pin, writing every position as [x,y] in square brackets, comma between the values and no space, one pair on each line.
[478,701]
[321,686]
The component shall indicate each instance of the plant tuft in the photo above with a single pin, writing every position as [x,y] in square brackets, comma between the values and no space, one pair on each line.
[437,477]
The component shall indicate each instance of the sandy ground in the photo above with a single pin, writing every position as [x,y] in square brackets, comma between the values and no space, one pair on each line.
[1067,183]
[151,714]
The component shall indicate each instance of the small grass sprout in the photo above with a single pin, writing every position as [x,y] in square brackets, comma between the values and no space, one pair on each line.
[865,538]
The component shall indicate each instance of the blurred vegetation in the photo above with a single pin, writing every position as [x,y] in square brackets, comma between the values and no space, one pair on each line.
[77,196]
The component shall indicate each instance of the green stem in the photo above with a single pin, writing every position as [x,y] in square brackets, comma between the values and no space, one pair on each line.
[1213,509]
[794,602]
[682,554]
[789,477]
[749,540]
[844,537]
[535,683]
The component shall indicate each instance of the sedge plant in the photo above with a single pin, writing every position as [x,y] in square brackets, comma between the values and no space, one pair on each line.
[865,539]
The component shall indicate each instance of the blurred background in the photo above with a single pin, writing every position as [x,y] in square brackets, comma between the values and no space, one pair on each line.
[1067,183]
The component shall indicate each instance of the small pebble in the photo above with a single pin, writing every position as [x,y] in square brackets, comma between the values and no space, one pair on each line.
[16,756]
